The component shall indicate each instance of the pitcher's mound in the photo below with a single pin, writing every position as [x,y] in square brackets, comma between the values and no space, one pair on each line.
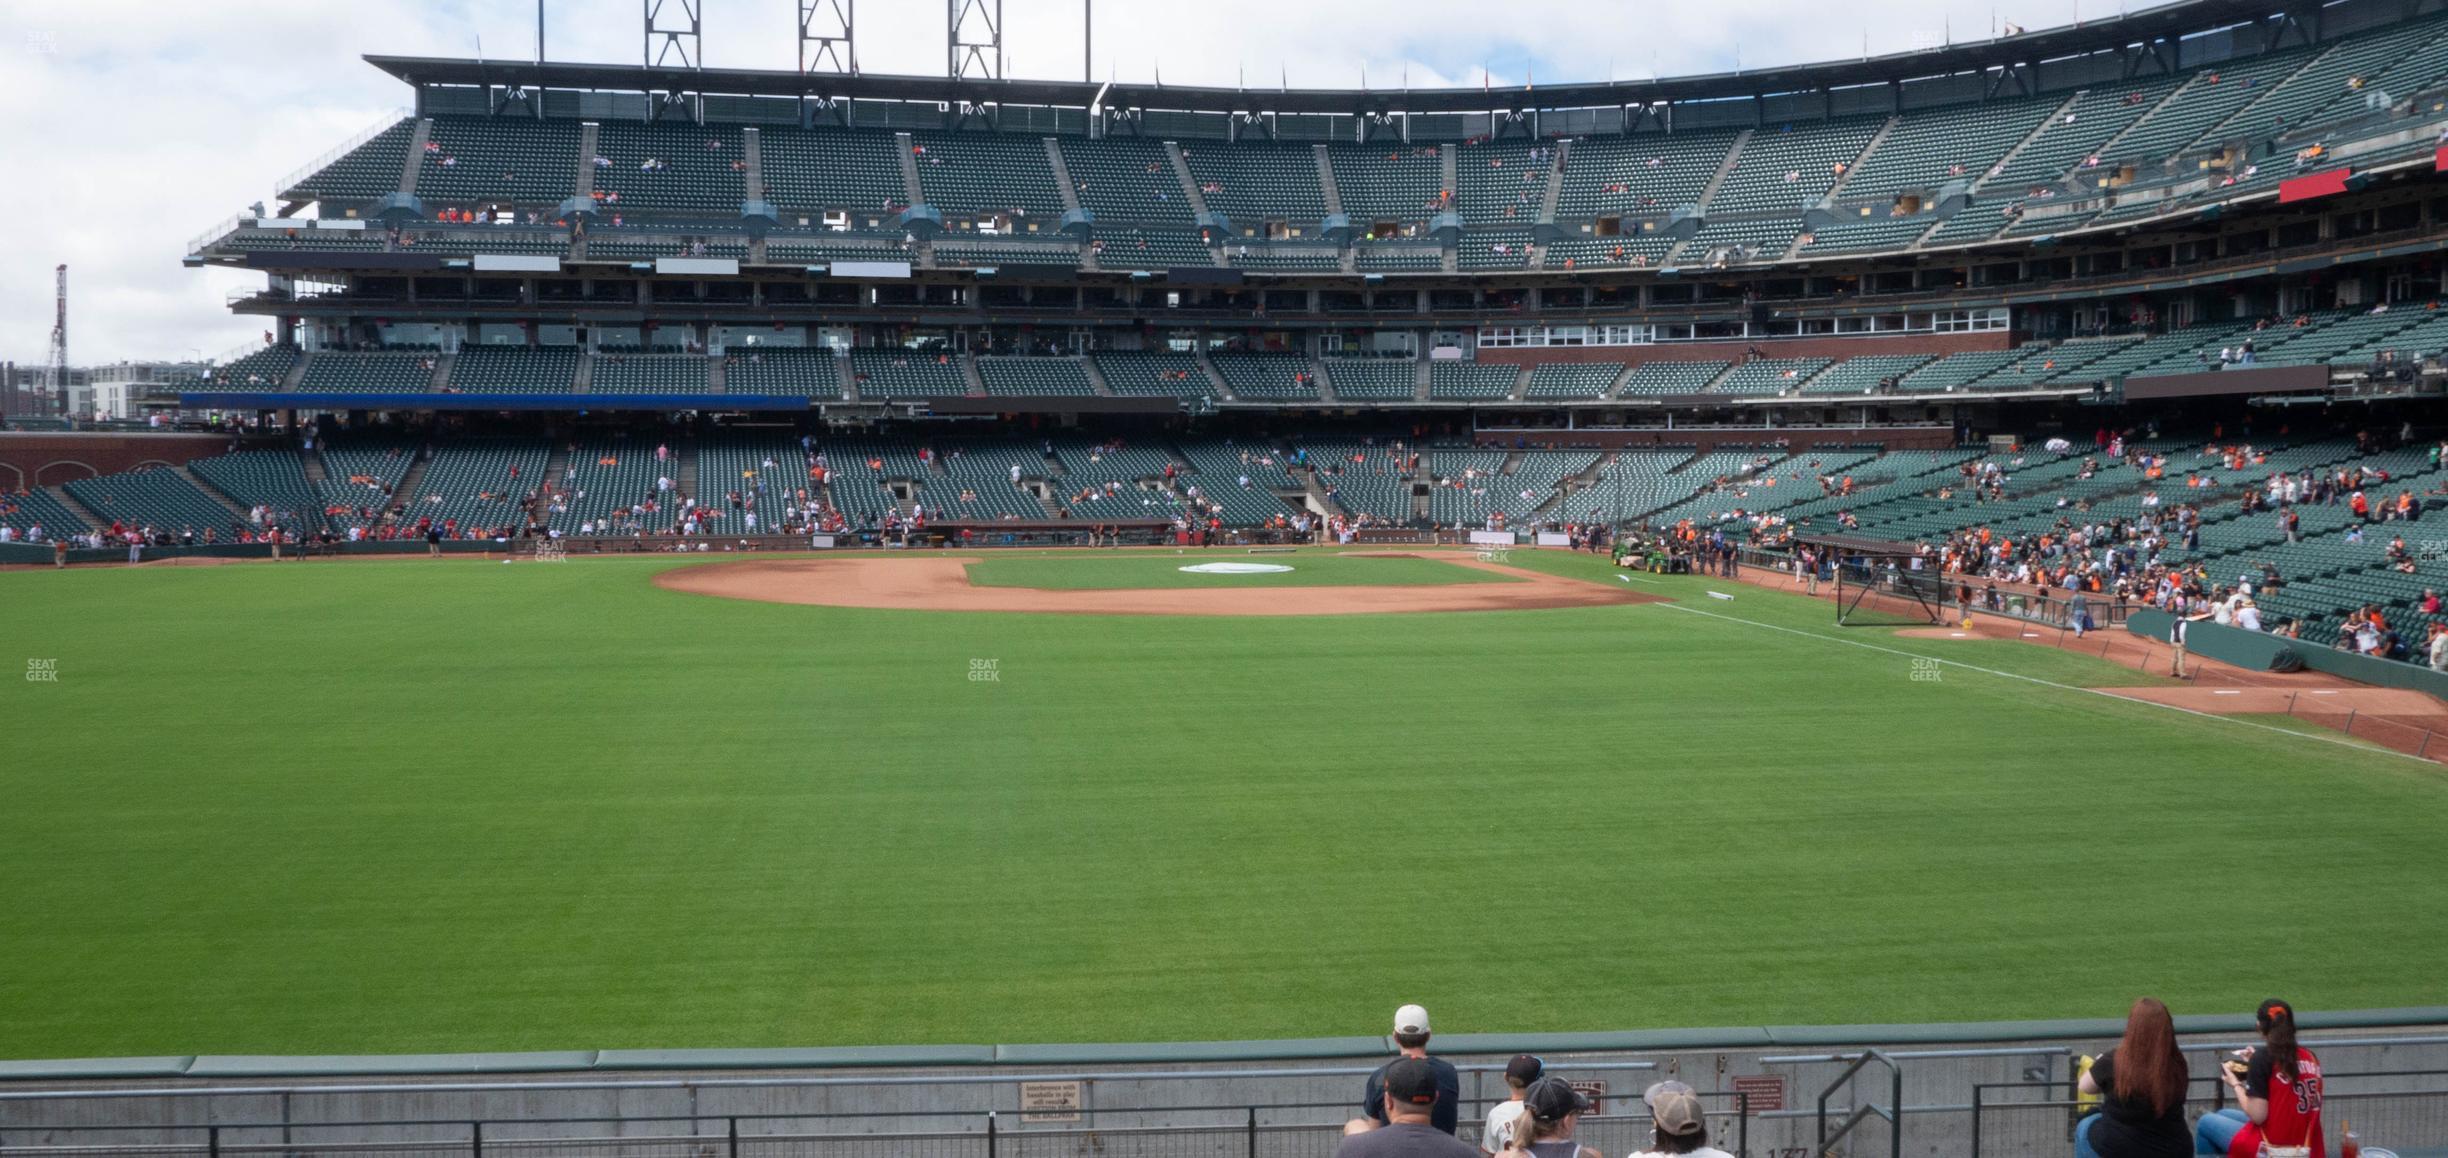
[941,583]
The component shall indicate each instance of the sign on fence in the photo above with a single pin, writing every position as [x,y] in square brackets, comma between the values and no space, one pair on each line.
[1596,1093]
[1761,1092]
[1049,1101]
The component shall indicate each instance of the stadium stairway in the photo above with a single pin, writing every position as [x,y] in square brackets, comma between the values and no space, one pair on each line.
[311,461]
[556,468]
[1555,183]
[1189,184]
[910,189]
[1876,139]
[1725,169]
[1445,171]
[413,163]
[589,134]
[1062,176]
[84,514]
[752,163]
[237,510]
[687,482]
[1326,181]
[1096,378]
[1215,378]
[2108,147]
[413,479]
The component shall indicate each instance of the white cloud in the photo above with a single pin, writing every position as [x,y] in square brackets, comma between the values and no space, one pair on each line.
[133,125]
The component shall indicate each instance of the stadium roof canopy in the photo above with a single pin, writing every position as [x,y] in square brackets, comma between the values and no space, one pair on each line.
[2164,25]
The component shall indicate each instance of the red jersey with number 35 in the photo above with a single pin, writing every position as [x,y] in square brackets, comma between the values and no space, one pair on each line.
[2294,1106]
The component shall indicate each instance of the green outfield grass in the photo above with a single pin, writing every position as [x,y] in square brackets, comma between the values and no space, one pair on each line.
[456,805]
[1083,569]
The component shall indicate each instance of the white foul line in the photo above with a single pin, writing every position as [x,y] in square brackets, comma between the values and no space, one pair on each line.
[2337,740]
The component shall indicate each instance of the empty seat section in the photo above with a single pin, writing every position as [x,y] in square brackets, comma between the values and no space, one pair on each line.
[1252,184]
[265,369]
[273,479]
[854,170]
[160,498]
[369,172]
[627,372]
[1373,379]
[1397,257]
[1472,381]
[38,516]
[1863,374]
[1274,377]
[397,373]
[1644,173]
[1124,180]
[514,370]
[670,167]
[988,172]
[1789,168]
[1150,249]
[981,486]
[966,253]
[1670,378]
[886,373]
[1930,147]
[506,160]
[782,370]
[1769,375]
[1389,182]
[1141,374]
[1034,377]
[1363,478]
[1579,381]
[1499,182]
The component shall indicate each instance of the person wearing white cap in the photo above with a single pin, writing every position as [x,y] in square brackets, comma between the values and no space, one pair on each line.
[1680,1126]
[1411,1038]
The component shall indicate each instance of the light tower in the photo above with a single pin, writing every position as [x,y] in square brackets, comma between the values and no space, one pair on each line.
[55,372]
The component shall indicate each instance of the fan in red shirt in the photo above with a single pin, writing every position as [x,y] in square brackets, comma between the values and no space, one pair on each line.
[2277,1093]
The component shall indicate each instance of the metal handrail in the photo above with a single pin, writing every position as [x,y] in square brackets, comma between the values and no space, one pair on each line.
[1892,1112]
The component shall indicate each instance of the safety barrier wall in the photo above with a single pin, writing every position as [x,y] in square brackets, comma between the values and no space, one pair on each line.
[1138,1098]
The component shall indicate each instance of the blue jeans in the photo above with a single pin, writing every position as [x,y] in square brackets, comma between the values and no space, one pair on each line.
[2082,1137]
[2217,1129]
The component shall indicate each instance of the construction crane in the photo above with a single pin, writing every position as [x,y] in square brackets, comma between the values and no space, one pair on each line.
[55,373]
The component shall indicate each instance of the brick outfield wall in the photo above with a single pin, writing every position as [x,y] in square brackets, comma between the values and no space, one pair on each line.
[1737,350]
[48,458]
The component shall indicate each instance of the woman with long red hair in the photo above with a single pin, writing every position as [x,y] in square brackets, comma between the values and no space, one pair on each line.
[2141,1088]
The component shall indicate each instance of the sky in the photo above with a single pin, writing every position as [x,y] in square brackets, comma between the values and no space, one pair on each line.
[130,127]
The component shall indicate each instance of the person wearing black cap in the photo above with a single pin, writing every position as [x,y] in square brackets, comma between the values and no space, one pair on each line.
[1412,1092]
[1551,1108]
[1411,1037]
[1519,1073]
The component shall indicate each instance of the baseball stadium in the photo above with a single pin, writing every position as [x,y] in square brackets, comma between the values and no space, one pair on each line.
[1880,606]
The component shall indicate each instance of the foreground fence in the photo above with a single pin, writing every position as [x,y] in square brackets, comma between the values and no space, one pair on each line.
[1267,1131]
